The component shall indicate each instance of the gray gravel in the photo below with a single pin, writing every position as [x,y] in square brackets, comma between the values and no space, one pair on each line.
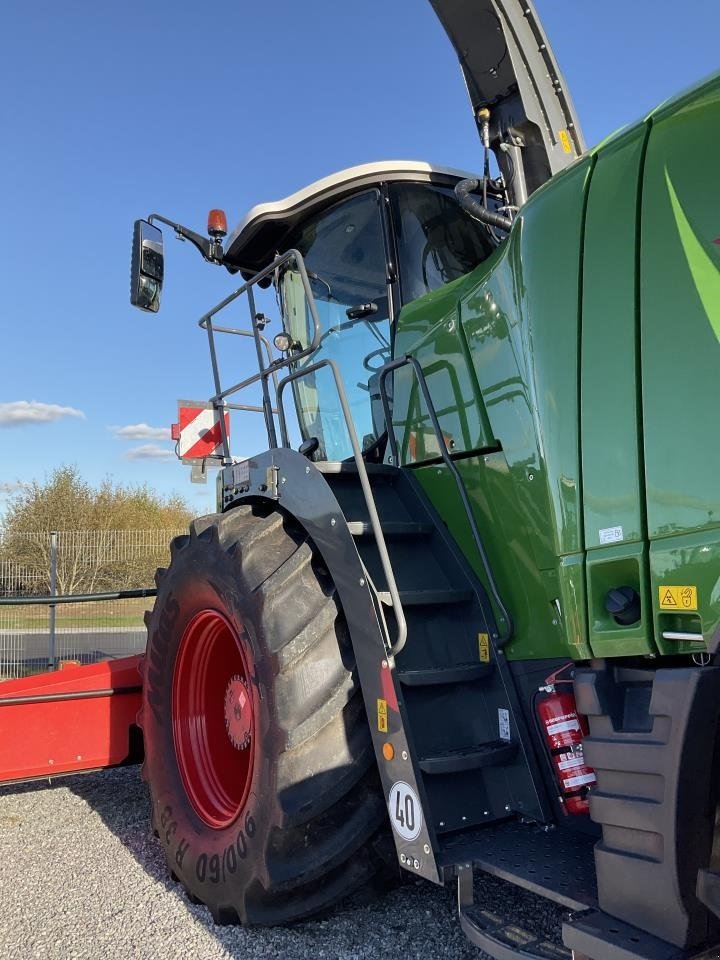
[81,876]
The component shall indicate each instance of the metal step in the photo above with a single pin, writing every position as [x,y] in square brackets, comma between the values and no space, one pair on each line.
[491,754]
[598,935]
[418,598]
[498,936]
[458,673]
[348,468]
[708,890]
[392,529]
[558,864]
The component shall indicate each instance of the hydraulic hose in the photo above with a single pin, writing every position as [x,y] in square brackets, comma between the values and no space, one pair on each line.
[472,205]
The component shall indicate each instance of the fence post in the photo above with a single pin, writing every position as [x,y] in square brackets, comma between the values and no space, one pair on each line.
[53,593]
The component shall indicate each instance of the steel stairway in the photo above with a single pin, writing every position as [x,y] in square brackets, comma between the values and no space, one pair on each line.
[463,719]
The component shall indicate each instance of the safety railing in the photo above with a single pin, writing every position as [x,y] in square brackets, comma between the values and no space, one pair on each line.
[506,633]
[268,373]
[219,400]
[401,637]
[81,645]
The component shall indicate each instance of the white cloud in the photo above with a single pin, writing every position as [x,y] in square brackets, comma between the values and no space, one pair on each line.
[20,412]
[141,431]
[150,451]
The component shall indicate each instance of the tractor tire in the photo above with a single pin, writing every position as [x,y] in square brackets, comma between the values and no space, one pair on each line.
[263,783]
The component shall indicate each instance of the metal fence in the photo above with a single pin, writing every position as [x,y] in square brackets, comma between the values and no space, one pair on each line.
[36,637]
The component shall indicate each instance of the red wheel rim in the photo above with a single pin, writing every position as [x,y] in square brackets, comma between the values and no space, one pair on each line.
[213,718]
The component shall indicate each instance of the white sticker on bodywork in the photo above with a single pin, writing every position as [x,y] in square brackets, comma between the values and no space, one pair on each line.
[504,723]
[611,534]
[405,811]
[241,472]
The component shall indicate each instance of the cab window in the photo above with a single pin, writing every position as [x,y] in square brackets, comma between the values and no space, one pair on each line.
[436,240]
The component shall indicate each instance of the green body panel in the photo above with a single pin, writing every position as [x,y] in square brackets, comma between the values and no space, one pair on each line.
[613,494]
[522,334]
[680,329]
[448,368]
[612,483]
[586,354]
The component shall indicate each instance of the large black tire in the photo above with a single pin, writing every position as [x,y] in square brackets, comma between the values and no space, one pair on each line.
[306,829]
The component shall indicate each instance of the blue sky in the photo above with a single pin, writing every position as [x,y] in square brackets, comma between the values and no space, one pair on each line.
[112,111]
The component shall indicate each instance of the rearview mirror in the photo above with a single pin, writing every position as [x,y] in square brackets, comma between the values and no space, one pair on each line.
[146,266]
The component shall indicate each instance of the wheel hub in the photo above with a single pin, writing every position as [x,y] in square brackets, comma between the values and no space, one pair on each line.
[238,713]
[213,717]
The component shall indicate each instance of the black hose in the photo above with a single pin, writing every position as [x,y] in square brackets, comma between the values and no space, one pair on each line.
[472,206]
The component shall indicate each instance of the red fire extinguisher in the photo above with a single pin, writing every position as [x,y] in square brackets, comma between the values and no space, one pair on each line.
[563,729]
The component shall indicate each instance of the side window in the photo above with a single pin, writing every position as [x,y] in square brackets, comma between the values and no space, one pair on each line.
[344,253]
[437,241]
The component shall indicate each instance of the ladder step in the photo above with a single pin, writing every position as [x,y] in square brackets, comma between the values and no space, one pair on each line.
[458,673]
[500,937]
[393,529]
[348,468]
[418,598]
[491,754]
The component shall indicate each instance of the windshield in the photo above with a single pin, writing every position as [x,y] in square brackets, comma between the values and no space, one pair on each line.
[344,253]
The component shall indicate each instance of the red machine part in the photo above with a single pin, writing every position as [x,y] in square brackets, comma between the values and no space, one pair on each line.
[71,720]
[563,729]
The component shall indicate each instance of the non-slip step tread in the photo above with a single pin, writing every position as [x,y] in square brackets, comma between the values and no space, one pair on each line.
[557,864]
[348,468]
[432,676]
[392,529]
[505,940]
[490,754]
[417,598]
[597,934]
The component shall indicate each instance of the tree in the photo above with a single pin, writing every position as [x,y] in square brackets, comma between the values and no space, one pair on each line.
[110,537]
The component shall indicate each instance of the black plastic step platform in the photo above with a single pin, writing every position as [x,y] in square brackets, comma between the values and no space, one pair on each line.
[348,468]
[419,598]
[469,758]
[596,934]
[556,864]
[458,673]
[392,529]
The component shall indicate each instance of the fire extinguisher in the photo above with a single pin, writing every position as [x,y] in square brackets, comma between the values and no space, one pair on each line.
[563,729]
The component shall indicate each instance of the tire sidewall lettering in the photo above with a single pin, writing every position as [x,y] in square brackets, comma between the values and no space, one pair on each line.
[211,865]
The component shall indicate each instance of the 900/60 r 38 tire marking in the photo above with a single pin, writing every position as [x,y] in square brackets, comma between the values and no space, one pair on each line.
[258,755]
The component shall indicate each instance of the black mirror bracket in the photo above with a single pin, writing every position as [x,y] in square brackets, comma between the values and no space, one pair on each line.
[211,249]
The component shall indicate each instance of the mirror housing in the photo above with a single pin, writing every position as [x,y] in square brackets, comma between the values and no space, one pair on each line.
[146,267]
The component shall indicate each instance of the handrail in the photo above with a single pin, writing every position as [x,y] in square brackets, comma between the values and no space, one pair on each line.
[507,633]
[79,597]
[364,483]
[218,400]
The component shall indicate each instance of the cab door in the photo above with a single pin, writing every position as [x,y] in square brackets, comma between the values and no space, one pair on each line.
[344,250]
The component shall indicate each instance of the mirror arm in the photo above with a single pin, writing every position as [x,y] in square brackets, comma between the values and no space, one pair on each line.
[211,250]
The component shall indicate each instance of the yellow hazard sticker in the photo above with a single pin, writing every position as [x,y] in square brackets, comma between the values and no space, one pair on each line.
[484,647]
[382,716]
[678,598]
[565,141]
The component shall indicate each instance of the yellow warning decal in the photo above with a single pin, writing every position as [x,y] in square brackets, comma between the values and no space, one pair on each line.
[484,647]
[678,598]
[382,716]
[565,141]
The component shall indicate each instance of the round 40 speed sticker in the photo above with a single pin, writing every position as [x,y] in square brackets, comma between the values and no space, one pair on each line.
[405,811]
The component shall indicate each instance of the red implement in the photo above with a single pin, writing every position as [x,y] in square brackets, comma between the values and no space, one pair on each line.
[71,720]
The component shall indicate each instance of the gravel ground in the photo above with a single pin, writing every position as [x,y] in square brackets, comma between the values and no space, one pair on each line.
[81,876]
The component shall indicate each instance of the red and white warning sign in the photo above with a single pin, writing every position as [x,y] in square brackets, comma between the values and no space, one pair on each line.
[198,430]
